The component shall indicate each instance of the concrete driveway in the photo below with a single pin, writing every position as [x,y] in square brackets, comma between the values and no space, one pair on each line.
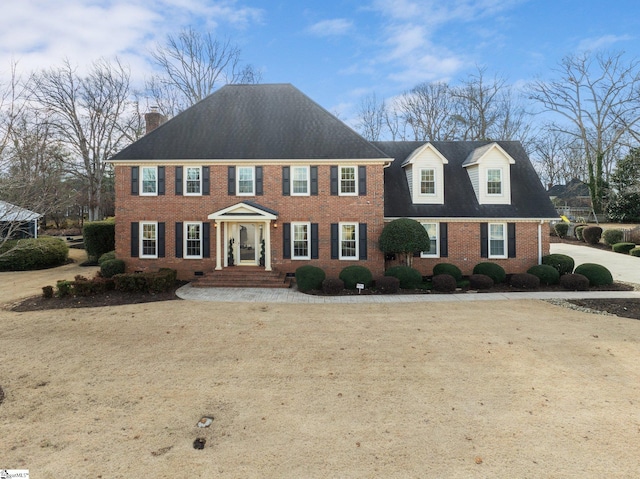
[623,267]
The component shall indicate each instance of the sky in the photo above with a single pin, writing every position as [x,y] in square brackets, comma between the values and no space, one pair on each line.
[335,51]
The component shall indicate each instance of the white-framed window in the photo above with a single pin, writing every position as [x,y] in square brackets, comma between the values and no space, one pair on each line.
[494,181]
[427,181]
[193,240]
[149,239]
[497,240]
[246,181]
[434,249]
[348,240]
[299,180]
[193,181]
[301,240]
[149,181]
[348,181]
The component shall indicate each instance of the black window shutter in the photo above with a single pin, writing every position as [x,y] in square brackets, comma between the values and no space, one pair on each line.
[206,180]
[314,180]
[444,240]
[231,179]
[206,240]
[286,240]
[511,236]
[286,185]
[161,188]
[314,241]
[362,180]
[134,180]
[178,183]
[161,241]
[362,239]
[179,238]
[135,239]
[334,240]
[259,191]
[334,180]
[484,240]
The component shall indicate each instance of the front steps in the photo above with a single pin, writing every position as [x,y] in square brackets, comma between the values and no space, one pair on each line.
[242,277]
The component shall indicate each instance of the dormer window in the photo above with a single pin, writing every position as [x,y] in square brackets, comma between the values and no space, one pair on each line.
[494,181]
[424,169]
[489,170]
[427,181]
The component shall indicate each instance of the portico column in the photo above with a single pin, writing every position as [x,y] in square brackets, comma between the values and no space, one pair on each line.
[217,226]
[267,246]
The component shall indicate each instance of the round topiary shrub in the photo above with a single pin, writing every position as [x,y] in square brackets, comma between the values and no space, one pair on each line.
[448,268]
[635,251]
[309,277]
[577,232]
[32,253]
[388,284]
[574,282]
[524,281]
[332,286]
[106,257]
[443,283]
[612,236]
[480,282]
[561,229]
[352,275]
[563,263]
[597,274]
[546,273]
[111,267]
[409,278]
[493,270]
[623,247]
[592,234]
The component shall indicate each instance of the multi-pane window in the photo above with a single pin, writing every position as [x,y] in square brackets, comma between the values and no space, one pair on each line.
[300,240]
[497,240]
[494,181]
[149,180]
[300,180]
[348,241]
[192,180]
[149,240]
[432,231]
[193,240]
[246,185]
[427,181]
[348,180]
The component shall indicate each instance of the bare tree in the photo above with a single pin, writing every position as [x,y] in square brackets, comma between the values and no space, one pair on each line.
[192,65]
[427,110]
[596,99]
[556,157]
[371,117]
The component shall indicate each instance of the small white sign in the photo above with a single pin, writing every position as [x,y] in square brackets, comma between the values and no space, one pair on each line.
[360,287]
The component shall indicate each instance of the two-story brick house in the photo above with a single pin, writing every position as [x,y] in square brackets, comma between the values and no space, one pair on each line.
[260,175]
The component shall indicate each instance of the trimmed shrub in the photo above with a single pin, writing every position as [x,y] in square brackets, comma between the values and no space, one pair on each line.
[444,283]
[578,231]
[480,281]
[448,268]
[63,288]
[546,273]
[524,281]
[47,292]
[493,270]
[388,284]
[99,238]
[155,282]
[612,236]
[561,229]
[309,277]
[592,234]
[563,263]
[332,286]
[574,282]
[623,247]
[111,267]
[635,251]
[352,275]
[107,257]
[409,278]
[33,253]
[82,286]
[597,274]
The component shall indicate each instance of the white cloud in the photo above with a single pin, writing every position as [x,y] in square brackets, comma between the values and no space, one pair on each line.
[603,42]
[329,28]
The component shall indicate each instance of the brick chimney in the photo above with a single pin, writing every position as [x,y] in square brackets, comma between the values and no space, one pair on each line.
[153,119]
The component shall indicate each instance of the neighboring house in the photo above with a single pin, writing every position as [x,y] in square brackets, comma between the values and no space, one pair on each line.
[572,199]
[262,175]
[17,222]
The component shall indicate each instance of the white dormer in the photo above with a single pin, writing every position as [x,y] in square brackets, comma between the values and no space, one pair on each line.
[425,175]
[489,169]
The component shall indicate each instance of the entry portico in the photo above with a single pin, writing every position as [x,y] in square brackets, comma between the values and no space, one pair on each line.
[240,231]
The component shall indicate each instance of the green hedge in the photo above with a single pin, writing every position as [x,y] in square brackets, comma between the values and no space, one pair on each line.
[33,253]
[309,277]
[493,270]
[107,257]
[635,251]
[155,282]
[448,268]
[596,274]
[592,234]
[111,267]
[612,236]
[623,247]
[561,229]
[352,275]
[99,238]
[563,263]
[409,278]
[547,274]
[578,232]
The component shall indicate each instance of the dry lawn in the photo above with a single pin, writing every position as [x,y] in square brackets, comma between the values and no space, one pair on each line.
[493,389]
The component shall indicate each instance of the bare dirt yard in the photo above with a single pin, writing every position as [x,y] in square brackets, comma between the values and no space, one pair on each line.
[481,389]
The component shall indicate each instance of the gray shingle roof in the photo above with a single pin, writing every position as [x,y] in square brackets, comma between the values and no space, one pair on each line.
[528,197]
[10,212]
[252,122]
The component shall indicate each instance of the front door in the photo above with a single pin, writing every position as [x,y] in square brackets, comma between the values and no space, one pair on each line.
[248,242]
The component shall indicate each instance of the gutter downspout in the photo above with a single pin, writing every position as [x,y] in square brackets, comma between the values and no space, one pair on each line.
[540,242]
